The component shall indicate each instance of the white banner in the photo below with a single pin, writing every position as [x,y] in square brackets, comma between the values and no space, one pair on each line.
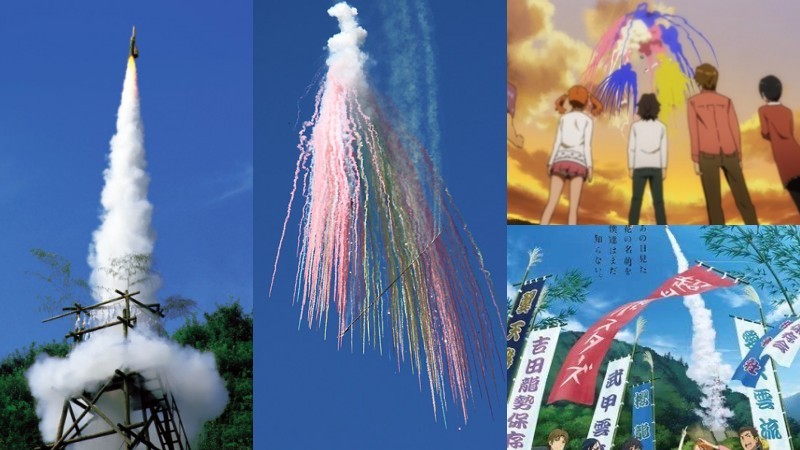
[606,413]
[765,402]
[526,397]
[784,347]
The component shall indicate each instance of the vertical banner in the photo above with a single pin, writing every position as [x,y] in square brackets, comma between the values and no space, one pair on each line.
[754,362]
[765,403]
[643,424]
[519,324]
[576,378]
[525,401]
[784,347]
[606,413]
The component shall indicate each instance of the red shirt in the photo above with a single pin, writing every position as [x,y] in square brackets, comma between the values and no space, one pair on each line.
[713,126]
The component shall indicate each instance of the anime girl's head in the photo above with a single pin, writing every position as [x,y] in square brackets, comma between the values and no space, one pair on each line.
[770,88]
[590,444]
[578,96]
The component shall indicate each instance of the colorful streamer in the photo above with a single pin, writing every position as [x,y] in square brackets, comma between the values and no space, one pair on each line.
[645,48]
[381,241]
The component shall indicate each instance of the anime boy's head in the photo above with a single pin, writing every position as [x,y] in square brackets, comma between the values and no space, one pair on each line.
[557,439]
[590,444]
[748,437]
[632,444]
[706,76]
[770,88]
[648,107]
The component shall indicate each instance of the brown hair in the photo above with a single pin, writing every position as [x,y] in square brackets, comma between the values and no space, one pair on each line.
[648,107]
[578,97]
[706,76]
[752,431]
[556,434]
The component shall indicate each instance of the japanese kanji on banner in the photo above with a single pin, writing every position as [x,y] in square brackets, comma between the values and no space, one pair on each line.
[644,427]
[519,323]
[750,369]
[784,347]
[765,398]
[606,413]
[576,378]
[528,389]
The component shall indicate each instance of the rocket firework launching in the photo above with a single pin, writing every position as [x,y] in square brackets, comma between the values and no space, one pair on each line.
[125,227]
[380,239]
[706,366]
[125,230]
[646,51]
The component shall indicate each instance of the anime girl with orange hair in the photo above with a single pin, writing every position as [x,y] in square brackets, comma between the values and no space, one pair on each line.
[571,160]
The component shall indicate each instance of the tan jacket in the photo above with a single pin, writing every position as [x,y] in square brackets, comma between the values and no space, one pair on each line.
[713,126]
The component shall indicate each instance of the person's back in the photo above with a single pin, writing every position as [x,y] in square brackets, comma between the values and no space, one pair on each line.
[716,125]
[715,141]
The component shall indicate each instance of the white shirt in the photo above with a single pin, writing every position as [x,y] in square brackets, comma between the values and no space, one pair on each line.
[647,145]
[573,139]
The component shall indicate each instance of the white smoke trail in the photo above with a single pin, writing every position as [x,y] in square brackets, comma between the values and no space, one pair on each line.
[191,376]
[408,32]
[705,366]
[125,227]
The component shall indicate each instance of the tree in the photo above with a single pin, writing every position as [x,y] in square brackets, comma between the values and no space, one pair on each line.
[570,288]
[774,263]
[130,270]
[228,333]
[66,289]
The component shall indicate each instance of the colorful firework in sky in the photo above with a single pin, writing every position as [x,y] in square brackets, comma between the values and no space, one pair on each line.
[380,238]
[646,51]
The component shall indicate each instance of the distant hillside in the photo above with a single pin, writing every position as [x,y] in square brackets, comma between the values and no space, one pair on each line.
[793,406]
[676,397]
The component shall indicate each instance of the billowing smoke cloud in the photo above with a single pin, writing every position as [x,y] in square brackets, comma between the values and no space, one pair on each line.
[192,376]
[705,366]
[126,230]
[346,60]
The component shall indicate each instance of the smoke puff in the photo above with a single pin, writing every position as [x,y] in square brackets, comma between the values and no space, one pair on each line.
[191,376]
[346,60]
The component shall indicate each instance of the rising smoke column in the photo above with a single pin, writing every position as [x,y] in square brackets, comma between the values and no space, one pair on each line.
[374,242]
[705,367]
[125,229]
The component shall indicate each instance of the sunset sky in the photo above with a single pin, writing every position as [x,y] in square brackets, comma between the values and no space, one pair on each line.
[549,47]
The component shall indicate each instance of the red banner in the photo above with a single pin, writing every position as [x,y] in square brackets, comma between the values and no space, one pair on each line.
[577,377]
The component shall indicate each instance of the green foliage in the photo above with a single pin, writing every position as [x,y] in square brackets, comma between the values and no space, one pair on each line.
[774,263]
[570,288]
[228,333]
[65,289]
[132,269]
[675,396]
[20,428]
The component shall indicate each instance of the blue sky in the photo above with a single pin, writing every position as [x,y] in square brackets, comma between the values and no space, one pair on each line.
[309,394]
[60,86]
[668,326]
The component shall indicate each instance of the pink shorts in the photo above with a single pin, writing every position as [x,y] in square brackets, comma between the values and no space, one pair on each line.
[569,170]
